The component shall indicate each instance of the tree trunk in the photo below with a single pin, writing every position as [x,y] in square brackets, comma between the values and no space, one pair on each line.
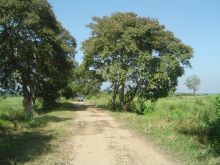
[123,103]
[29,103]
[126,101]
[114,94]
[124,106]
[194,91]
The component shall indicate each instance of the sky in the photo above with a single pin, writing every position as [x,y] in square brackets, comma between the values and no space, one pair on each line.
[195,22]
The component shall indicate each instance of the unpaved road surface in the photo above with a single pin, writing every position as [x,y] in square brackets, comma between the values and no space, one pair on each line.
[102,140]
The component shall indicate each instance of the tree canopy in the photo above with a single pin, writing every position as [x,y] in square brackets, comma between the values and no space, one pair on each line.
[36,52]
[137,55]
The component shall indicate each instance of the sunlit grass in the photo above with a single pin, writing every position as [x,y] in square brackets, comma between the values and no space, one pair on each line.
[185,127]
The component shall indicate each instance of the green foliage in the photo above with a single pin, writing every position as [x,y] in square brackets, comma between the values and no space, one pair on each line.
[151,107]
[217,107]
[212,127]
[178,113]
[36,51]
[138,107]
[85,83]
[69,92]
[142,107]
[137,55]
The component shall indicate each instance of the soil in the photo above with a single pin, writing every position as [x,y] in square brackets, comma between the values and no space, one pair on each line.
[102,140]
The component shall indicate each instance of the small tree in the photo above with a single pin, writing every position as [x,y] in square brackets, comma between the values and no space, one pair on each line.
[193,83]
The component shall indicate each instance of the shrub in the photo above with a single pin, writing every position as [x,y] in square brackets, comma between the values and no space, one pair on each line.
[138,107]
[217,107]
[142,107]
[150,107]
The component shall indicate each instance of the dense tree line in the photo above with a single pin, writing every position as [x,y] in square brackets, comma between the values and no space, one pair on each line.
[136,55]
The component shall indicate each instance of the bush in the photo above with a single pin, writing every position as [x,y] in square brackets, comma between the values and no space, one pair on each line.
[138,107]
[142,107]
[217,107]
[150,107]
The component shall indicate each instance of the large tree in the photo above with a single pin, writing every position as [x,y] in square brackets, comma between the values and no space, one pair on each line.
[193,83]
[36,52]
[137,55]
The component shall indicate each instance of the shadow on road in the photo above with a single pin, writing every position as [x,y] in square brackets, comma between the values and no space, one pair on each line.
[82,106]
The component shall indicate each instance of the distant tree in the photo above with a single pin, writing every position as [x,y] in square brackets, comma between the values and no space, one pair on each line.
[36,52]
[137,55]
[88,84]
[193,83]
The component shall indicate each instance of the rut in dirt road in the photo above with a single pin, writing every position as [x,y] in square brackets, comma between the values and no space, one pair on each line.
[101,140]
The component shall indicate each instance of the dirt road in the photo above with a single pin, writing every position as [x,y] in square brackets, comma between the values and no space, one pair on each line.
[101,140]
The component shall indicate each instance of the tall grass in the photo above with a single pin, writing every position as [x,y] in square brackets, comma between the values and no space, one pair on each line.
[11,111]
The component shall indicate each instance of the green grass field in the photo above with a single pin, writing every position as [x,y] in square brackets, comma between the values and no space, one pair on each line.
[186,127]
[35,141]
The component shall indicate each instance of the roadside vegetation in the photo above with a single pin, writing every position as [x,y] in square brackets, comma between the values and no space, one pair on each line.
[34,141]
[187,127]
[139,58]
[37,60]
